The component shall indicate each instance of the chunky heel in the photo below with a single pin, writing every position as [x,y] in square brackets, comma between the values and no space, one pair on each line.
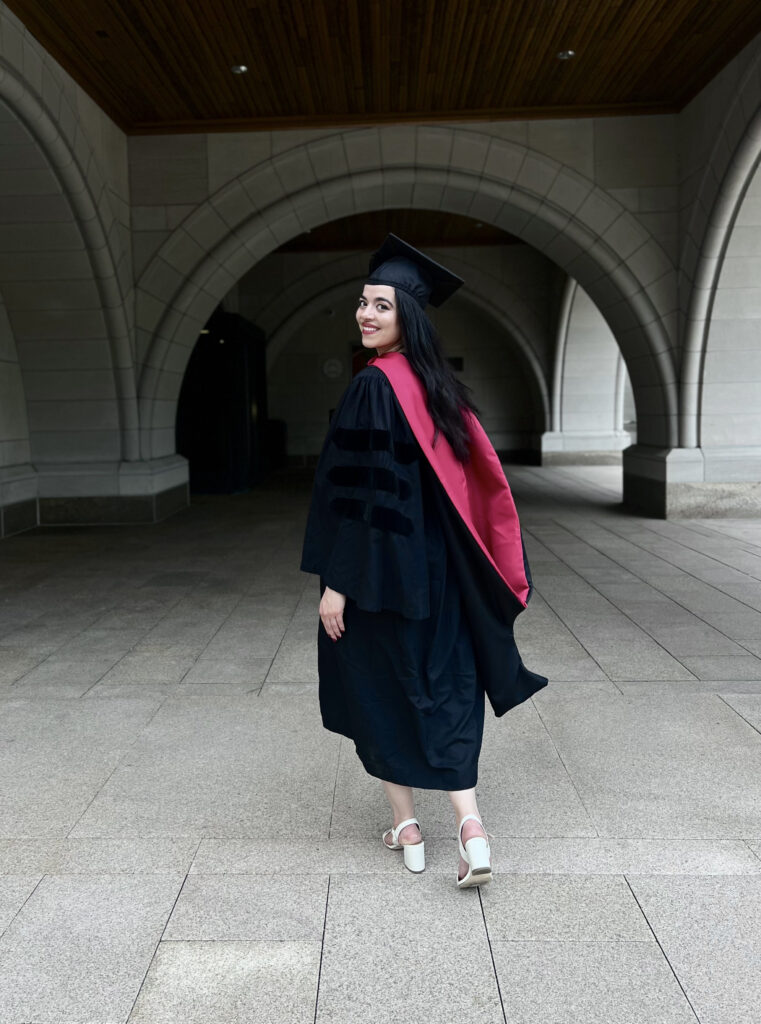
[414,856]
[477,854]
[414,853]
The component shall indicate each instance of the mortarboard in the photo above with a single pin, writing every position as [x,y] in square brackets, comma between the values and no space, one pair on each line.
[400,265]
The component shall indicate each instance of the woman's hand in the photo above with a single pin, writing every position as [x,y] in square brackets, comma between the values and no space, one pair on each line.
[332,612]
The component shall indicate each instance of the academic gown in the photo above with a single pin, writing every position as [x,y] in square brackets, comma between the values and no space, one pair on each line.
[430,603]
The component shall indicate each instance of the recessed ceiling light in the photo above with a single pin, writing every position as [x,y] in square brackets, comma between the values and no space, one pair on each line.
[566,54]
[239,69]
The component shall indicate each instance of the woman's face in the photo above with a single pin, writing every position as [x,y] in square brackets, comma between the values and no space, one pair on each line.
[378,320]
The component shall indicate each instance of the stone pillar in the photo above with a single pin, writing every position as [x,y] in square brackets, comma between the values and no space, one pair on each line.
[18,499]
[112,492]
[692,482]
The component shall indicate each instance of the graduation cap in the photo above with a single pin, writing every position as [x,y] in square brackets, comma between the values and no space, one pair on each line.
[400,265]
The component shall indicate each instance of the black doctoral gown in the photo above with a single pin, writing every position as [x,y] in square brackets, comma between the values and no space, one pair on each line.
[428,622]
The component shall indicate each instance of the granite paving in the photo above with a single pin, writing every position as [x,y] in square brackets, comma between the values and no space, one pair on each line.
[181,840]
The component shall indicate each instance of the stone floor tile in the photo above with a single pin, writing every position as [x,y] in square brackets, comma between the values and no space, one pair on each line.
[647,773]
[650,688]
[147,667]
[16,662]
[290,689]
[256,906]
[749,707]
[710,930]
[549,907]
[662,768]
[156,692]
[159,855]
[230,983]
[296,659]
[572,667]
[583,687]
[111,925]
[19,856]
[594,982]
[421,938]
[639,659]
[220,766]
[247,674]
[14,892]
[724,666]
[54,757]
[63,676]
[364,853]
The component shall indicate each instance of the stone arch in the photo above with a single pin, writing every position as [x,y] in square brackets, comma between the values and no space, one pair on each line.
[727,173]
[589,380]
[730,372]
[307,309]
[328,282]
[555,209]
[80,256]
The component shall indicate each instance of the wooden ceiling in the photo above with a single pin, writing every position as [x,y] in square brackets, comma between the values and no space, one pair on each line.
[164,65]
[426,228]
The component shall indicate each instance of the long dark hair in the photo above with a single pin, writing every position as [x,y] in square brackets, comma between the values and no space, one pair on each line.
[447,395]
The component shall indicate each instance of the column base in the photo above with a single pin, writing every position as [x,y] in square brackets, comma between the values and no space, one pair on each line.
[114,493]
[583,448]
[18,499]
[671,483]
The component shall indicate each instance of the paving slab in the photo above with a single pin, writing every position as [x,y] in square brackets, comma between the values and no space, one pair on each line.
[15,890]
[257,906]
[405,930]
[364,853]
[595,982]
[80,946]
[218,767]
[666,768]
[710,930]
[159,726]
[548,907]
[56,754]
[230,983]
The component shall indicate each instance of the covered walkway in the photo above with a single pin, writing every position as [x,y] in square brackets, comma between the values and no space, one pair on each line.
[181,841]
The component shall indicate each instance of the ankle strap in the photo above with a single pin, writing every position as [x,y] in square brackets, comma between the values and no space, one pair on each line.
[469,817]
[402,824]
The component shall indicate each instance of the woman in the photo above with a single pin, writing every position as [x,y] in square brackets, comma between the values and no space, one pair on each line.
[414,535]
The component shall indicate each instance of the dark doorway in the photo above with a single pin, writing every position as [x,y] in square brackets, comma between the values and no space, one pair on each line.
[222,411]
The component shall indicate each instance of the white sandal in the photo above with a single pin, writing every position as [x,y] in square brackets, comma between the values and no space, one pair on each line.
[414,853]
[477,854]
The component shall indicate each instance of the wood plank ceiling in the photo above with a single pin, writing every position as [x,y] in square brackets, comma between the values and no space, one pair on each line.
[164,65]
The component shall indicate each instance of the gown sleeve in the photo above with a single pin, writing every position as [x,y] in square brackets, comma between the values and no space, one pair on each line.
[365,533]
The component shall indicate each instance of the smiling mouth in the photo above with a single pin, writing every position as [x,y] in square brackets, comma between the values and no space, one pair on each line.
[369,330]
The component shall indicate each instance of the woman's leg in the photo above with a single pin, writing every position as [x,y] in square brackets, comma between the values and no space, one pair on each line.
[402,802]
[464,802]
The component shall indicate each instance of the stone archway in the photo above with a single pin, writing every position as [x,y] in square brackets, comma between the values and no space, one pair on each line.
[588,384]
[327,283]
[553,208]
[75,255]
[729,420]
[734,157]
